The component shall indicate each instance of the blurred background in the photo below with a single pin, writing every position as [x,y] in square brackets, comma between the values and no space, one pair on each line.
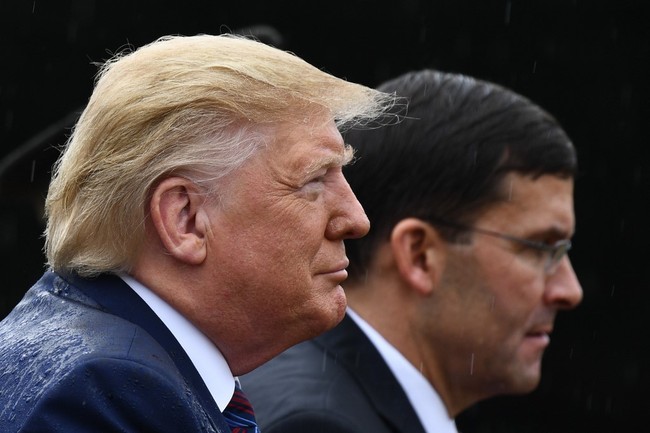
[585,61]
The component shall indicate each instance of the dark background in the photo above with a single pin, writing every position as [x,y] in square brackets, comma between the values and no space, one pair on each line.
[584,61]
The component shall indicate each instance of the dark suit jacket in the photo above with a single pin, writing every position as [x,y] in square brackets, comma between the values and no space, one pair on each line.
[80,355]
[337,382]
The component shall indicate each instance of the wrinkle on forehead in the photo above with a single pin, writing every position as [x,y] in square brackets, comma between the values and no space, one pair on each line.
[545,201]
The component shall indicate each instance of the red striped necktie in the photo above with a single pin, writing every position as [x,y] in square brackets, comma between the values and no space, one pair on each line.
[239,413]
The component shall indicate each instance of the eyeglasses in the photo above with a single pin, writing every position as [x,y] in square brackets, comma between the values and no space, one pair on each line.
[554,252]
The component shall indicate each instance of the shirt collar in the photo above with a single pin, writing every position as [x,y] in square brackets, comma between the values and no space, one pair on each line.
[206,357]
[423,397]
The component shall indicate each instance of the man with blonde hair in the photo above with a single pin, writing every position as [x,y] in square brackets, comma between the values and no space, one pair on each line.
[195,227]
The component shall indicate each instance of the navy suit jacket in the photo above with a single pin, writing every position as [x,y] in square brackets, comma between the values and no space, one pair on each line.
[335,383]
[89,355]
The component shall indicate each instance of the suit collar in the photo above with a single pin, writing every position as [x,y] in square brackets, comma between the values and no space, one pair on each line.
[204,355]
[352,349]
[117,298]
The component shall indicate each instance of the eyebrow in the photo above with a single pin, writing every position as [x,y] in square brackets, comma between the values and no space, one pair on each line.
[552,232]
[332,160]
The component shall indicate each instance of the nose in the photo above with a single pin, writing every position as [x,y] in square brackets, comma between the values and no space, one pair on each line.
[348,220]
[563,288]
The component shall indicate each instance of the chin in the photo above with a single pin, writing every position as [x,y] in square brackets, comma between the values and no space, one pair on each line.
[329,315]
[526,382]
[517,380]
[339,307]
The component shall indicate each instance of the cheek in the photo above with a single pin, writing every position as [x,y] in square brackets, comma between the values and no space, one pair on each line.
[281,235]
[295,234]
[516,296]
[279,251]
[290,243]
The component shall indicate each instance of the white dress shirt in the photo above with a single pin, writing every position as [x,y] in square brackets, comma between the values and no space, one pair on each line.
[205,356]
[423,397]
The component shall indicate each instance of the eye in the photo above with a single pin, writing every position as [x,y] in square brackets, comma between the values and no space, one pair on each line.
[314,186]
[532,250]
[316,182]
[536,251]
[317,179]
[324,175]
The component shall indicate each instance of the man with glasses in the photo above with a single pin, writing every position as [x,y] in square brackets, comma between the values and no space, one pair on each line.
[454,292]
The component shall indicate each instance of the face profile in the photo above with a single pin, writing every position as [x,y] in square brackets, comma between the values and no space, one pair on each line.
[279,228]
[508,296]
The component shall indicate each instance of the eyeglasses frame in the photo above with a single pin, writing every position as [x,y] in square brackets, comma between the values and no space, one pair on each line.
[557,250]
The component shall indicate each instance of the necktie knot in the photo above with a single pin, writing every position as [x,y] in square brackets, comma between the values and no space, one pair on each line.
[239,413]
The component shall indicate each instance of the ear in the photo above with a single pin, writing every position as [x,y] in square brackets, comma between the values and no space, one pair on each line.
[419,253]
[178,213]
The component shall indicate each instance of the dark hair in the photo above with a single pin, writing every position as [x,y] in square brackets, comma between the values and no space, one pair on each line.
[448,156]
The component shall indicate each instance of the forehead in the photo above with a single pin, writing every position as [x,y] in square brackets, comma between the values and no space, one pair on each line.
[308,146]
[533,204]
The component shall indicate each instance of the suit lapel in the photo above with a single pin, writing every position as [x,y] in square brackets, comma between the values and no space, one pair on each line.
[117,298]
[351,348]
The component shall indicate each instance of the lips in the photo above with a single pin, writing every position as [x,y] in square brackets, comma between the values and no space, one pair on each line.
[339,267]
[539,332]
[337,272]
[542,335]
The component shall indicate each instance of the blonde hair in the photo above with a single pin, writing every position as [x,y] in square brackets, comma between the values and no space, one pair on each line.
[193,106]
